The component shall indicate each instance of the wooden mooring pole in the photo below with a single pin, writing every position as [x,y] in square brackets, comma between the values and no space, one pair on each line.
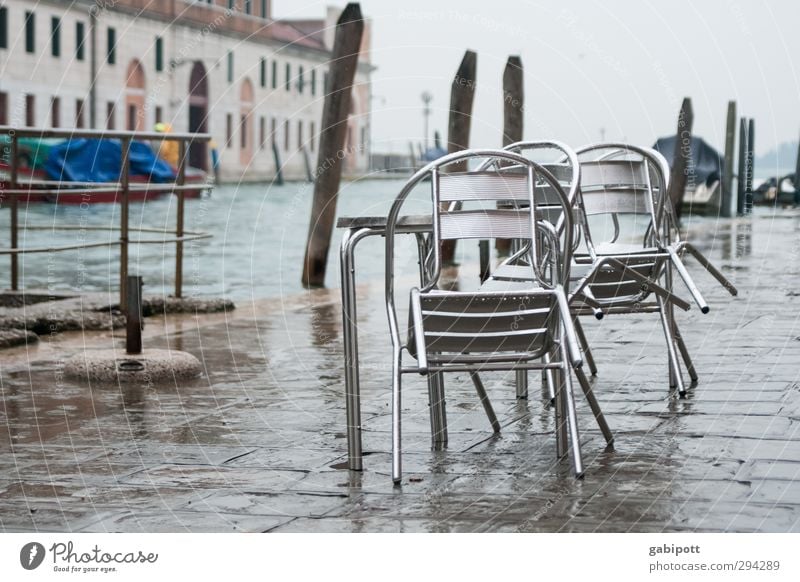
[133,315]
[742,167]
[726,203]
[750,163]
[683,154]
[462,95]
[344,60]
[513,108]
[796,180]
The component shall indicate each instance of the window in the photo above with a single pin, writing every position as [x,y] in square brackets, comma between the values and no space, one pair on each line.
[159,114]
[230,67]
[288,77]
[79,113]
[232,4]
[3,108]
[3,27]
[110,116]
[55,36]
[311,136]
[228,130]
[159,54]
[248,6]
[299,134]
[325,84]
[263,72]
[286,135]
[55,112]
[263,8]
[80,39]
[274,74]
[273,135]
[262,132]
[30,32]
[243,132]
[300,80]
[313,81]
[30,110]
[111,46]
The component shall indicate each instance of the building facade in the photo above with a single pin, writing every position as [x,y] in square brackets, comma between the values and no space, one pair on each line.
[224,67]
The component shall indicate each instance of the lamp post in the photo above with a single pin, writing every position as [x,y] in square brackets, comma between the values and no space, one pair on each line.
[426,112]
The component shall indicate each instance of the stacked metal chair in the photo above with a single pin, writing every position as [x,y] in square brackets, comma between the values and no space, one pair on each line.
[623,183]
[525,327]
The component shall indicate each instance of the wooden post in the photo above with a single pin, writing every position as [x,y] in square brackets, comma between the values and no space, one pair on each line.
[750,161]
[796,180]
[742,169]
[726,204]
[14,162]
[513,107]
[344,60]
[276,154]
[462,94]
[683,152]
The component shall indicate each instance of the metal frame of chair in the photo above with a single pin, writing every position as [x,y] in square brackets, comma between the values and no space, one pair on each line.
[526,328]
[579,293]
[627,179]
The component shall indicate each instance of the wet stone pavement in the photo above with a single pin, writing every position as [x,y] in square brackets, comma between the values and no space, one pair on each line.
[257,443]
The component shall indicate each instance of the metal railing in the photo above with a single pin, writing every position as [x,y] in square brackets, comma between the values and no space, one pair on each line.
[13,188]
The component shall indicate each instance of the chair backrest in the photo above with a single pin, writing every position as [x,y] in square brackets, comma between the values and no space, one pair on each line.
[619,179]
[465,205]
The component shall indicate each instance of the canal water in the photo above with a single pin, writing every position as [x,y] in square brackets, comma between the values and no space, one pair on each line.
[256,251]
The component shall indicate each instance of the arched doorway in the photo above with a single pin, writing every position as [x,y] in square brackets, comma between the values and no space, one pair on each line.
[134,97]
[198,114]
[246,122]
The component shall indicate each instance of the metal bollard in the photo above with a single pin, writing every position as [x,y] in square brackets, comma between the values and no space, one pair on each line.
[133,336]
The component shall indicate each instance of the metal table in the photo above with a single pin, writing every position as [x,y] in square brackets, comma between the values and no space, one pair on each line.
[357,229]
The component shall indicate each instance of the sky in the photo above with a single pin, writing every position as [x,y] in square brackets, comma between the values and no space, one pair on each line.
[611,69]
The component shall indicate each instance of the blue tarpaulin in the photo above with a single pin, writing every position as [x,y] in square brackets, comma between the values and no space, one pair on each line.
[98,160]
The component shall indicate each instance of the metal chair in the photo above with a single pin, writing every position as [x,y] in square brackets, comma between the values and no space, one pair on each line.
[527,327]
[621,181]
[597,268]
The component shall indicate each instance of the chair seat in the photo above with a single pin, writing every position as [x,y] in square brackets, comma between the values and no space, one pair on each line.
[613,248]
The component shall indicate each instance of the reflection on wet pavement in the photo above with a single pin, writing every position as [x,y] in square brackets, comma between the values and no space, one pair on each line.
[257,443]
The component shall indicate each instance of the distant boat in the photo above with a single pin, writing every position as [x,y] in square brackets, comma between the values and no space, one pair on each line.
[706,168]
[52,164]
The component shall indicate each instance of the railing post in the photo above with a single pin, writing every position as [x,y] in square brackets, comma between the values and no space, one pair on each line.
[14,214]
[124,178]
[179,227]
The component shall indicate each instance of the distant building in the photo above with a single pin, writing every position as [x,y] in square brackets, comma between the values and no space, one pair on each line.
[219,66]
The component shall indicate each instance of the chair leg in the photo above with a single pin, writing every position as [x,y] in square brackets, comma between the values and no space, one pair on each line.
[522,384]
[687,359]
[676,381]
[571,412]
[561,421]
[549,378]
[587,353]
[487,406]
[397,470]
[590,398]
[438,410]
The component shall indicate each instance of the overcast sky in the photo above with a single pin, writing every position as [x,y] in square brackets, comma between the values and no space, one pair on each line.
[609,66]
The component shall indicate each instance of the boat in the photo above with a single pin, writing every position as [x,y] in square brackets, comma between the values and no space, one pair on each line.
[49,168]
[705,167]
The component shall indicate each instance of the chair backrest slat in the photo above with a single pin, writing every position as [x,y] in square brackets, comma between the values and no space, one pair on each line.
[619,200]
[490,185]
[602,174]
[489,223]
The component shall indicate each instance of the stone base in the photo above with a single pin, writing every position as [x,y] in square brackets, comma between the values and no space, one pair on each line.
[148,367]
